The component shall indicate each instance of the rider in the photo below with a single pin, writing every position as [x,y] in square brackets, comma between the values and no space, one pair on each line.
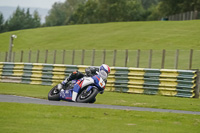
[102,72]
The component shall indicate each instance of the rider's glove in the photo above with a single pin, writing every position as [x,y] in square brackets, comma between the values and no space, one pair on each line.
[101,92]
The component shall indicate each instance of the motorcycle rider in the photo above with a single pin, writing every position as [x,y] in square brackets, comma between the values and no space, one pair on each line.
[102,72]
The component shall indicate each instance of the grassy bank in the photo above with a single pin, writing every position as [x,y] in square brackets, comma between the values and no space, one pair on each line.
[122,35]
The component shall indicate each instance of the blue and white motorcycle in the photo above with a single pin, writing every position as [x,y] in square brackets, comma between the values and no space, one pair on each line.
[83,90]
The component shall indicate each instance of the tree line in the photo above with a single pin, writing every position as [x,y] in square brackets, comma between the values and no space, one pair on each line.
[98,11]
[20,19]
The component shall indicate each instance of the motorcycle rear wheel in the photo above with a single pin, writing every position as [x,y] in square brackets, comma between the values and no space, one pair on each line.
[87,97]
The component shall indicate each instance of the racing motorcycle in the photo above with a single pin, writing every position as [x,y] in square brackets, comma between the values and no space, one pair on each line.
[86,94]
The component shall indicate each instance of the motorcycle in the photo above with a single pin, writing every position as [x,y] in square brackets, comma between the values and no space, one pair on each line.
[86,94]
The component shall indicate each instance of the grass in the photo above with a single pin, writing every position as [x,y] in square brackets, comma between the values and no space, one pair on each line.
[110,98]
[36,91]
[154,35]
[31,118]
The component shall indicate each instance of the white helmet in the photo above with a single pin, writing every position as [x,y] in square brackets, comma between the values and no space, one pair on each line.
[105,68]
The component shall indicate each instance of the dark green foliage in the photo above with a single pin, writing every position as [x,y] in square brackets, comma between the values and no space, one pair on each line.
[99,11]
[170,7]
[61,13]
[20,19]
[1,22]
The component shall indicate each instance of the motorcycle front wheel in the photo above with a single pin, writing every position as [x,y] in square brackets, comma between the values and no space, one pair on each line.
[87,96]
[54,94]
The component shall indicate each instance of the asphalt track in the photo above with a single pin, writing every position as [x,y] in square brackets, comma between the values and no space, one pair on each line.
[20,99]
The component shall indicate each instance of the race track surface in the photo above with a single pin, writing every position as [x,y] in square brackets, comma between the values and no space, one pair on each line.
[20,99]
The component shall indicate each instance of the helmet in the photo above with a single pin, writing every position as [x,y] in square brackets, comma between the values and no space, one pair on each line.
[103,75]
[105,68]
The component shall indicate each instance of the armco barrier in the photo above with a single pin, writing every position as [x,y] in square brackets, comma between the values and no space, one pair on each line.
[181,83]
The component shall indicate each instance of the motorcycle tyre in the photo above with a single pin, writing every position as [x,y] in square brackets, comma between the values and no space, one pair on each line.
[55,97]
[90,99]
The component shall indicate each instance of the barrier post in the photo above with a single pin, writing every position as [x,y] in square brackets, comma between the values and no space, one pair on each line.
[10,49]
[104,56]
[176,59]
[83,55]
[150,58]
[22,54]
[126,57]
[46,56]
[138,58]
[73,56]
[38,54]
[190,59]
[93,57]
[54,57]
[63,61]
[114,57]
[163,59]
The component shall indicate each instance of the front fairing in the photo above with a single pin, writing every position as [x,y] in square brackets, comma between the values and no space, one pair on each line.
[66,95]
[99,82]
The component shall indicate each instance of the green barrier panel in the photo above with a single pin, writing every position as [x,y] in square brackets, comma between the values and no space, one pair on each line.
[180,83]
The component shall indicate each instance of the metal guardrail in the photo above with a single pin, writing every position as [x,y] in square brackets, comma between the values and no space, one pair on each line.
[180,83]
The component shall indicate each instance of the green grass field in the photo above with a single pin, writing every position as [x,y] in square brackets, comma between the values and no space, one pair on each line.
[32,118]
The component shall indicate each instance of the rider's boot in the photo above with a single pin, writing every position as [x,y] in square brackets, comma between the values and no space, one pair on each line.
[66,81]
[60,86]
